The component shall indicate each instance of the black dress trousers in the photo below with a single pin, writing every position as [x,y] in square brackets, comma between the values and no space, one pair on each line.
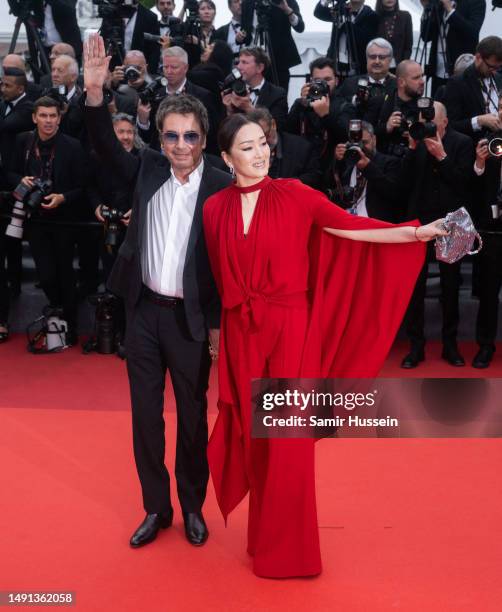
[158,340]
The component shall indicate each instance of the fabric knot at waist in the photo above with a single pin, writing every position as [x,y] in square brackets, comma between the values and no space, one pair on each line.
[254,306]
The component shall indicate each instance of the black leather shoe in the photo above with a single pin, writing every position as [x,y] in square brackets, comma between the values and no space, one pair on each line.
[412,359]
[149,528]
[195,528]
[452,356]
[483,357]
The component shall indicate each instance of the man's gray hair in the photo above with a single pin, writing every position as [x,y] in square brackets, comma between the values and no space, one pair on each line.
[183,105]
[176,52]
[137,55]
[382,43]
[367,127]
[72,63]
[138,143]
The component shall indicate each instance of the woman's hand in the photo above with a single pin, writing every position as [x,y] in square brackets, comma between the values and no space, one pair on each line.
[428,232]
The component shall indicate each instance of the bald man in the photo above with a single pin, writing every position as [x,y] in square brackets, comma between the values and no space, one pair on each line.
[437,175]
[13,60]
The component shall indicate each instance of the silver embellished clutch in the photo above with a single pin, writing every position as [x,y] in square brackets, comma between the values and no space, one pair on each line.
[461,237]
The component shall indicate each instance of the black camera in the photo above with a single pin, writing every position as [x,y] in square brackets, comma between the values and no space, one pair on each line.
[106,339]
[116,8]
[132,73]
[317,90]
[362,91]
[352,156]
[112,217]
[234,83]
[58,94]
[495,144]
[26,200]
[424,129]
[154,92]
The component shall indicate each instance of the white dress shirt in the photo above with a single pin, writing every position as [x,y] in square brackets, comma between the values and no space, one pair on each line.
[169,218]
[491,98]
[253,96]
[360,205]
[13,103]
[129,31]
[52,36]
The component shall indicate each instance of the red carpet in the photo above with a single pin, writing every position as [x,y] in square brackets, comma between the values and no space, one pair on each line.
[405,524]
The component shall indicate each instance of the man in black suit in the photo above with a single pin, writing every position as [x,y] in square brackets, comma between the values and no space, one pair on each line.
[49,155]
[15,111]
[291,156]
[163,274]
[279,19]
[175,66]
[371,186]
[253,62]
[379,80]
[472,97]
[143,21]
[487,215]
[453,28]
[348,43]
[437,174]
[232,33]
[323,121]
[58,19]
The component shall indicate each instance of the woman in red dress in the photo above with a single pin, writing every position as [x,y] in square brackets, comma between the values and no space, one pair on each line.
[296,302]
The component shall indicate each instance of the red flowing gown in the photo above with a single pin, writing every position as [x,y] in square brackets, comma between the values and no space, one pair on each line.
[296,301]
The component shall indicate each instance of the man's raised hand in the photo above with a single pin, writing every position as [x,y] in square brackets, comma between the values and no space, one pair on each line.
[96,64]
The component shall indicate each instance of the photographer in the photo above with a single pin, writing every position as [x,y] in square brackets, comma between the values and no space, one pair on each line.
[131,78]
[277,17]
[437,174]
[321,119]
[359,26]
[164,9]
[365,181]
[487,215]
[453,28]
[291,156]
[472,98]
[253,63]
[57,20]
[232,33]
[377,82]
[57,159]
[175,67]
[64,74]
[392,113]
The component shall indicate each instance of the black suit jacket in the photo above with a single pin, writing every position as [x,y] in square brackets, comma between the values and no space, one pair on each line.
[463,32]
[65,20]
[17,121]
[276,100]
[281,41]
[452,178]
[463,98]
[145,173]
[69,175]
[486,189]
[362,31]
[146,21]
[297,158]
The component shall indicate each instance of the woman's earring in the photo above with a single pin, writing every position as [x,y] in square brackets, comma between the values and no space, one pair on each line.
[232,171]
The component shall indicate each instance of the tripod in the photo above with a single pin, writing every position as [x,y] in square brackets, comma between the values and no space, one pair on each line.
[38,60]
[433,17]
[341,18]
[261,38]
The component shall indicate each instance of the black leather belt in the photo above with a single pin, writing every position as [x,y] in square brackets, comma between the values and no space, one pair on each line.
[161,300]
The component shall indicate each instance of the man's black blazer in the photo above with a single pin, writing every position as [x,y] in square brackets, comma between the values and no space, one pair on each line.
[17,121]
[299,160]
[452,177]
[281,41]
[145,173]
[65,20]
[486,189]
[463,32]
[146,21]
[463,98]
[362,30]
[69,175]
[276,100]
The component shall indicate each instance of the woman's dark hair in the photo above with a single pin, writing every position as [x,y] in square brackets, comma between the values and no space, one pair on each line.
[380,10]
[229,128]
[222,55]
[210,2]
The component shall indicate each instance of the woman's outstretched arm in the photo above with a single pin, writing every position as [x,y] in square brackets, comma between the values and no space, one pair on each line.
[423,233]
